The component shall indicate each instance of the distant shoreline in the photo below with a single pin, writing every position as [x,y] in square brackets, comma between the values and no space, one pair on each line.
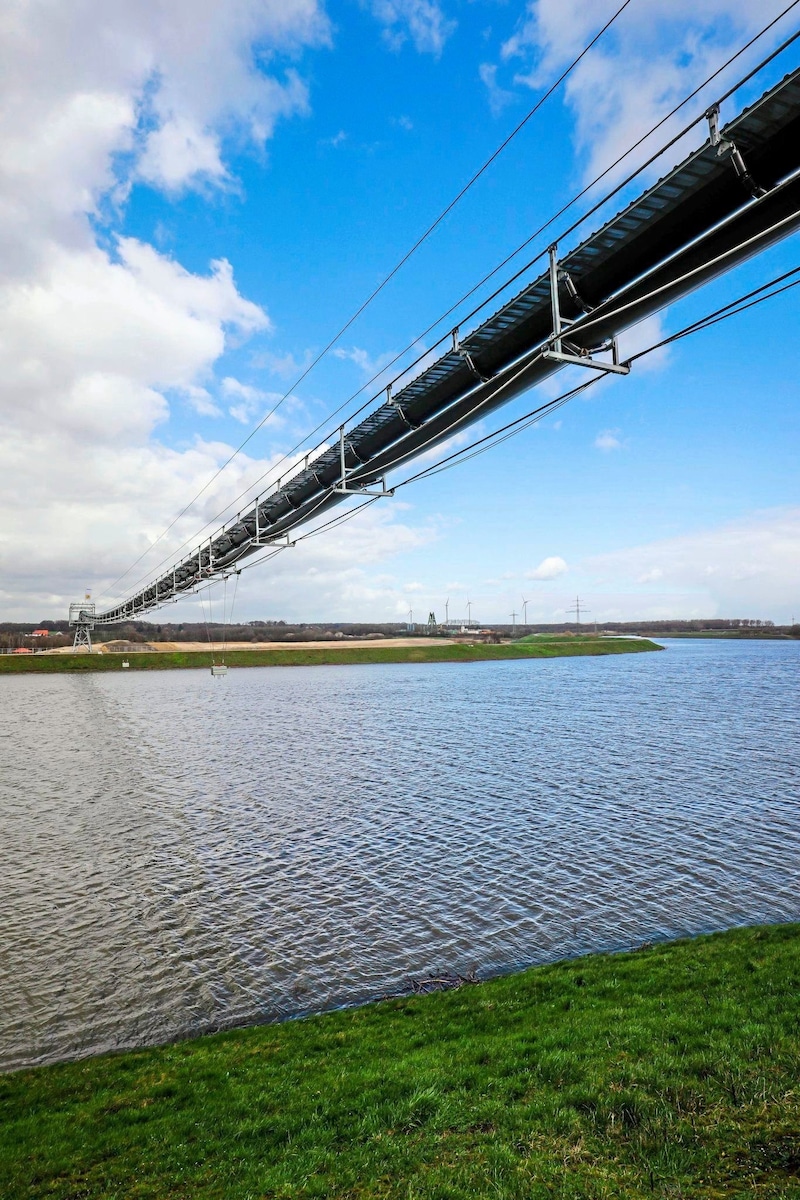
[731,635]
[332,655]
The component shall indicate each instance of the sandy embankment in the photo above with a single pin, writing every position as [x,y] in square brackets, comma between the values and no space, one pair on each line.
[333,644]
[189,647]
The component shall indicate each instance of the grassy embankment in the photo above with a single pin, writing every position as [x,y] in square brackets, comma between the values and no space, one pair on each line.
[298,656]
[671,1071]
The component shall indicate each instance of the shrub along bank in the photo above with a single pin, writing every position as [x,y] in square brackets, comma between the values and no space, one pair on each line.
[668,1072]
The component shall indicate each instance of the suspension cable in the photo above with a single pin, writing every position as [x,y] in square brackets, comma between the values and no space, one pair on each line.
[542,228]
[609,195]
[732,309]
[523,269]
[394,271]
[742,303]
[479,446]
[522,364]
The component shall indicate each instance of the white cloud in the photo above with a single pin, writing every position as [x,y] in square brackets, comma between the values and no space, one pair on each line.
[101,332]
[608,440]
[748,567]
[335,576]
[249,400]
[423,21]
[463,438]
[548,568]
[183,150]
[284,366]
[365,362]
[88,341]
[651,58]
[499,98]
[81,81]
[199,399]
[80,496]
[335,141]
[179,151]
[641,336]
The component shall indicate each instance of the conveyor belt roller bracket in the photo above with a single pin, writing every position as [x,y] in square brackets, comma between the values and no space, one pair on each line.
[341,488]
[555,348]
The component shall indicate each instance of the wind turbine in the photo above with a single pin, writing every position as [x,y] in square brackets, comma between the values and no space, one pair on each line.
[524,612]
[469,612]
[447,611]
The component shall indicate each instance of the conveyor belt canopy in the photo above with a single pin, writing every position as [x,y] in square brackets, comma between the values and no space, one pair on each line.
[698,221]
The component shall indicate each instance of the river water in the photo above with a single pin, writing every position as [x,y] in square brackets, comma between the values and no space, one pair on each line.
[180,853]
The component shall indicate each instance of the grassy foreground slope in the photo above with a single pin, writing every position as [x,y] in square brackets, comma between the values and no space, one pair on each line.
[297,656]
[671,1071]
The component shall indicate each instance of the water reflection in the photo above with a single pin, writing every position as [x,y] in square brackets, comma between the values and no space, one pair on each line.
[181,854]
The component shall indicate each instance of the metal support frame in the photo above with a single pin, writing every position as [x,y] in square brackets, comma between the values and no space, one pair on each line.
[261,536]
[282,540]
[83,637]
[712,116]
[561,324]
[696,214]
[727,149]
[467,357]
[398,408]
[555,306]
[341,489]
[81,617]
[574,294]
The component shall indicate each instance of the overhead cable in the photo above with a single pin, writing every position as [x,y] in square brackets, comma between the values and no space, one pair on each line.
[732,309]
[387,278]
[491,440]
[521,271]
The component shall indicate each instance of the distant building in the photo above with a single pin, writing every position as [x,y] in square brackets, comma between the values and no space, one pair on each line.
[41,633]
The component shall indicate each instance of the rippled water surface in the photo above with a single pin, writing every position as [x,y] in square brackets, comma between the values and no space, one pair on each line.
[181,853]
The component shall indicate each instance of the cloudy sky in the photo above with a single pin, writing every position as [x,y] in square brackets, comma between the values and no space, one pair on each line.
[196,194]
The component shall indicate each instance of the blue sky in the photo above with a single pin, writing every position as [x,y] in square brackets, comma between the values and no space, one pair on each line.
[200,196]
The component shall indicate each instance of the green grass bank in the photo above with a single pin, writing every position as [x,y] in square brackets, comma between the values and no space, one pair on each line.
[297,656]
[671,1071]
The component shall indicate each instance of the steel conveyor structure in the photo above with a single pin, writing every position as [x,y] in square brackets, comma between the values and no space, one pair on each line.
[734,197]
